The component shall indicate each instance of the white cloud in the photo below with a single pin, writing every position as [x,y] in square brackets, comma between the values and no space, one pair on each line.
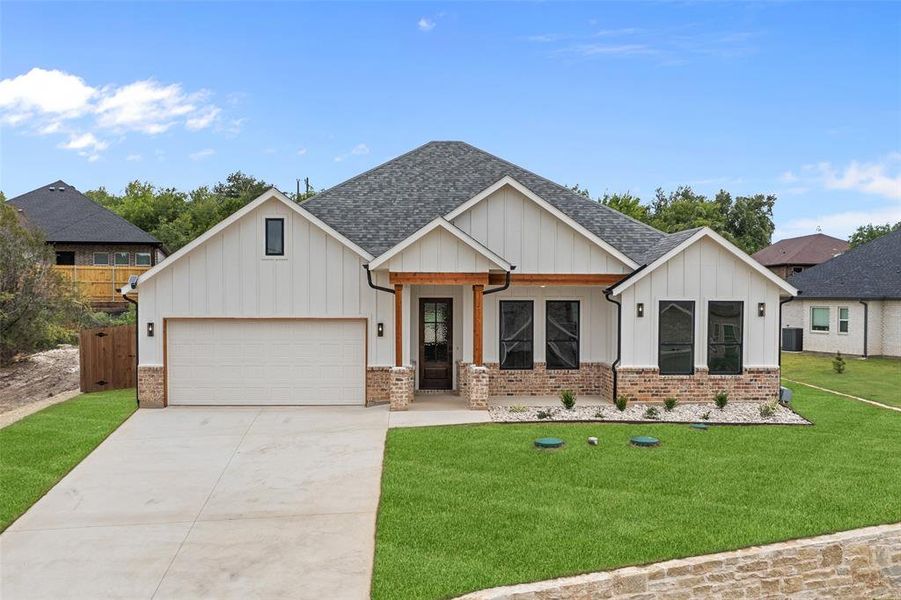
[358,150]
[788,177]
[204,118]
[85,141]
[841,224]
[134,158]
[881,178]
[201,154]
[43,91]
[425,24]
[53,102]
[301,151]
[608,50]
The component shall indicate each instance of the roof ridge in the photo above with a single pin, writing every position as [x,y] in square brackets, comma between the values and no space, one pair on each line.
[564,188]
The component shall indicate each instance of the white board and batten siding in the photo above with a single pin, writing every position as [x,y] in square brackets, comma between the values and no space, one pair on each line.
[229,276]
[530,237]
[702,272]
[439,252]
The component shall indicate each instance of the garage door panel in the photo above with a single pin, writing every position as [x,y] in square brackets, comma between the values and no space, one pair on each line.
[263,361]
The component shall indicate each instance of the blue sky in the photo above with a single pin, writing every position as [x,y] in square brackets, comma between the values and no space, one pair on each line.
[801,100]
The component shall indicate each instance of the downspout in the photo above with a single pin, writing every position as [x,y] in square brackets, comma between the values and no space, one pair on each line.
[781,303]
[374,286]
[619,336]
[137,345]
[503,287]
[866,318]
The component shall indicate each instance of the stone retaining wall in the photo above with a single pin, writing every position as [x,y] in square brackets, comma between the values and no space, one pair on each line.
[861,563]
[648,385]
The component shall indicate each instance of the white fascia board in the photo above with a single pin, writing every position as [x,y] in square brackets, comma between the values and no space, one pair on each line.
[618,289]
[450,228]
[507,180]
[239,214]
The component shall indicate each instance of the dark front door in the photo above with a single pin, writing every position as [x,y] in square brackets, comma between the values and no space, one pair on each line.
[435,343]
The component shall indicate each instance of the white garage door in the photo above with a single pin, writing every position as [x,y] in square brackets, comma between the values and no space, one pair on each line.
[266,361]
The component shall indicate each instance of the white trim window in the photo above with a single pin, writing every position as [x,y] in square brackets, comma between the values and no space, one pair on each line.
[120,259]
[844,317]
[819,319]
[101,259]
[142,259]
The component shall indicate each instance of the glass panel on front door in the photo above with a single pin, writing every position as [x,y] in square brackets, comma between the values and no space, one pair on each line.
[435,370]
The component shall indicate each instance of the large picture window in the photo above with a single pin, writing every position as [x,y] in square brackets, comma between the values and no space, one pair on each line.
[724,337]
[275,237]
[676,355]
[517,334]
[819,318]
[562,334]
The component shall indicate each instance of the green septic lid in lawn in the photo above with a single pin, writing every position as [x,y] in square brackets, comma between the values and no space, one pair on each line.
[548,442]
[700,426]
[644,441]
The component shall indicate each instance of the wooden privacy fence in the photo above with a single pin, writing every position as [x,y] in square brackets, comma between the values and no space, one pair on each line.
[107,358]
[99,284]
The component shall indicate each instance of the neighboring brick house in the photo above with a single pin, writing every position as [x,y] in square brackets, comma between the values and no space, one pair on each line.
[852,303]
[791,256]
[82,232]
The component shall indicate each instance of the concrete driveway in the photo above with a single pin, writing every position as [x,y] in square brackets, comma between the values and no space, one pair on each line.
[209,503]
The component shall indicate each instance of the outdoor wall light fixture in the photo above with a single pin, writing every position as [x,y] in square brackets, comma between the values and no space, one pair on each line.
[761,309]
[380,329]
[150,329]
[639,309]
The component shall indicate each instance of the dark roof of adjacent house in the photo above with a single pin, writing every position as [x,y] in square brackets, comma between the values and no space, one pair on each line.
[805,250]
[381,207]
[66,215]
[871,271]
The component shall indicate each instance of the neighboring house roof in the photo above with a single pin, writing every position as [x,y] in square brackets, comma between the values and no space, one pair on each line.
[66,215]
[805,250]
[871,271]
[383,206]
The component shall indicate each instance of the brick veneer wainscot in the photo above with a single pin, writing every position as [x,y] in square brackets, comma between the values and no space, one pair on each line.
[151,387]
[401,387]
[378,385]
[648,385]
[594,379]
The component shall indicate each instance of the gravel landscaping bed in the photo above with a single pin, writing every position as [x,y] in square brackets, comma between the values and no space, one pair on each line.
[737,413]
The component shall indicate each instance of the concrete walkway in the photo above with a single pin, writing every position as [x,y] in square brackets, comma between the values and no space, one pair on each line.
[209,503]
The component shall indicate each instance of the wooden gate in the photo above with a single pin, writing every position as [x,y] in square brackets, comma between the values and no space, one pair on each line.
[107,357]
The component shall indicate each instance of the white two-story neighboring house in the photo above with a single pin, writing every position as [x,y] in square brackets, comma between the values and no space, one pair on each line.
[449,268]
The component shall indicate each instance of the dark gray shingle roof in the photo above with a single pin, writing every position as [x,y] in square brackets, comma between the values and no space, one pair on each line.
[666,244]
[384,205]
[70,216]
[872,271]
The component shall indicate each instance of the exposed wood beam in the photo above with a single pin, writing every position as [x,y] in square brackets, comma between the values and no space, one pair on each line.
[477,296]
[398,325]
[418,278]
[604,279]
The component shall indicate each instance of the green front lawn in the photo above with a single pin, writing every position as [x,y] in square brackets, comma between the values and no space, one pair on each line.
[36,452]
[470,507]
[877,379]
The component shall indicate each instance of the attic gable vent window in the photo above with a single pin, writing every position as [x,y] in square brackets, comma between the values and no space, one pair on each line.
[275,237]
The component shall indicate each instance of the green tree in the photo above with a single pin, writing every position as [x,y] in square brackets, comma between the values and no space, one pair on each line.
[869,232]
[38,308]
[628,205]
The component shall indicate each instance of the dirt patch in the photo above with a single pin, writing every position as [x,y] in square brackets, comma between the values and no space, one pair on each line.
[38,377]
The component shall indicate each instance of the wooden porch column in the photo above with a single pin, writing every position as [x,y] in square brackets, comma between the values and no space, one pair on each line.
[398,325]
[477,324]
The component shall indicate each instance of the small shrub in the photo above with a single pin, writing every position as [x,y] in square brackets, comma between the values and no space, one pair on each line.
[721,399]
[838,363]
[621,402]
[670,403]
[652,413]
[518,408]
[568,399]
[706,416]
[767,409]
[545,413]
